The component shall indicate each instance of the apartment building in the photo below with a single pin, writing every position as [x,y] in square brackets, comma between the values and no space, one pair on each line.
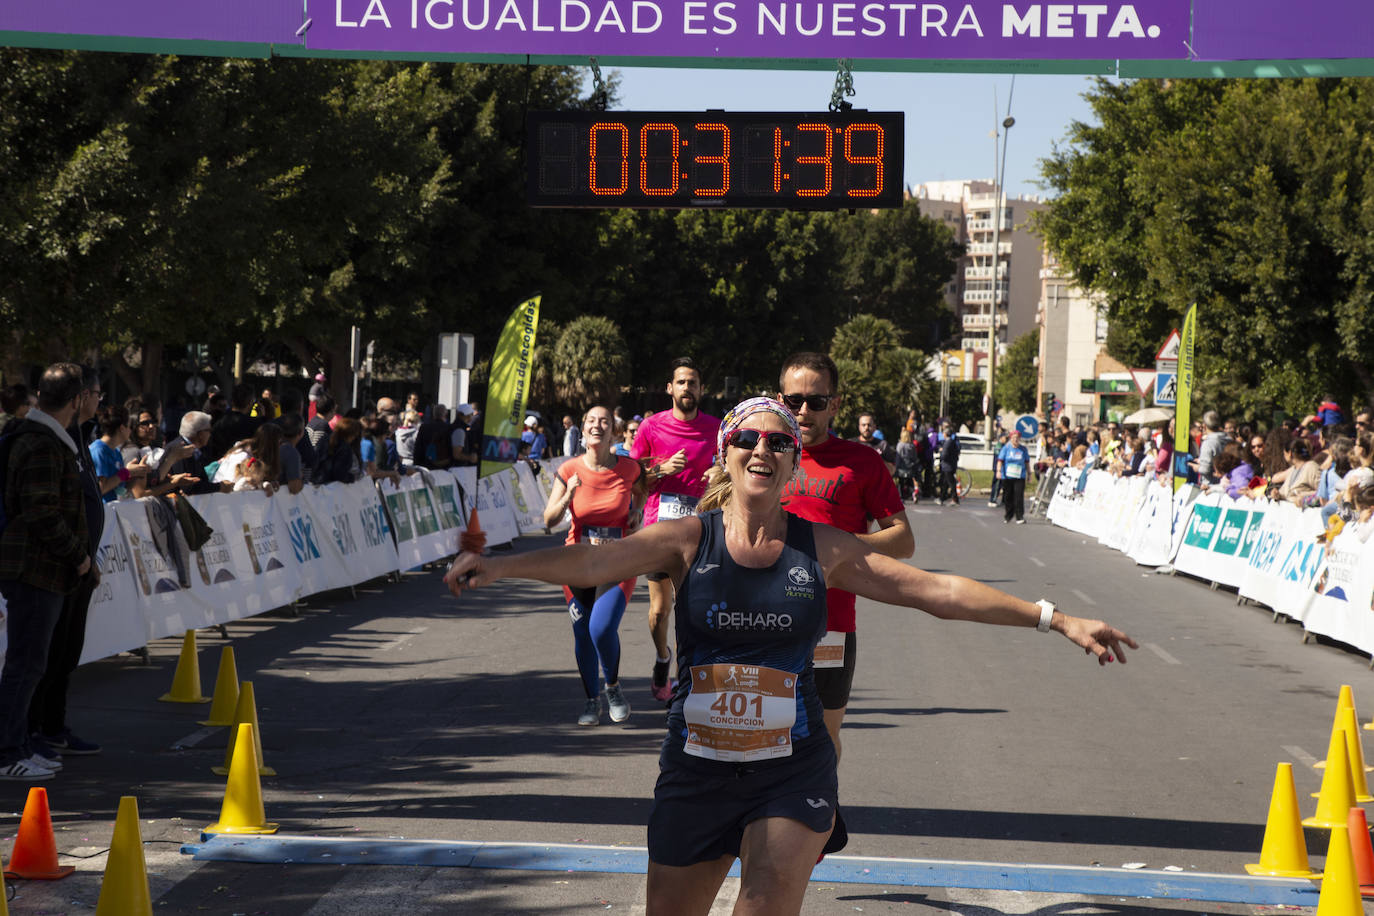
[1073,364]
[975,296]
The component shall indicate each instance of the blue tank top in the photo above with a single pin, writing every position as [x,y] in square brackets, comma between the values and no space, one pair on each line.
[772,617]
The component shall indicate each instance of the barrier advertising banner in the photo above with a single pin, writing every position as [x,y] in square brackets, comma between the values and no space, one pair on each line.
[115,620]
[231,579]
[160,568]
[494,509]
[1219,537]
[356,526]
[526,500]
[1339,602]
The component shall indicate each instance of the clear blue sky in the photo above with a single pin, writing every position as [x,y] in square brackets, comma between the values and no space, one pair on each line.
[949,117]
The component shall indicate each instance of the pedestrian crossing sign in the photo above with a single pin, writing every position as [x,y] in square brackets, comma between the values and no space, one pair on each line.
[1166,389]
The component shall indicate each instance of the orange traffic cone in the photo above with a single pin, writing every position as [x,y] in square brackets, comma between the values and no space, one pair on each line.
[1361,850]
[245,712]
[1284,854]
[186,680]
[474,539]
[124,889]
[242,811]
[226,690]
[35,848]
[1340,895]
[1337,796]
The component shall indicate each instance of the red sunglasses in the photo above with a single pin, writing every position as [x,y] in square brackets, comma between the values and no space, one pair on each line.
[748,439]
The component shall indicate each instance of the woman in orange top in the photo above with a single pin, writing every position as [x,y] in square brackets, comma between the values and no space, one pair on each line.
[604,494]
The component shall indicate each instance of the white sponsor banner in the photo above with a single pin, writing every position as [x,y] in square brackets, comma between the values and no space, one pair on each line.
[467,479]
[1128,494]
[306,540]
[163,590]
[115,622]
[1151,543]
[526,500]
[420,538]
[356,527]
[494,509]
[1284,559]
[225,582]
[448,503]
[1339,602]
[1219,537]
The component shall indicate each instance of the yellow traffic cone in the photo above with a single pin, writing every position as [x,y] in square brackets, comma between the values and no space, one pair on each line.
[186,680]
[226,690]
[245,712]
[1354,753]
[242,811]
[124,890]
[1340,895]
[1284,854]
[4,903]
[1337,796]
[1346,700]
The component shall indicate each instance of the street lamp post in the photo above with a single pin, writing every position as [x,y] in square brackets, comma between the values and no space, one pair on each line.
[997,192]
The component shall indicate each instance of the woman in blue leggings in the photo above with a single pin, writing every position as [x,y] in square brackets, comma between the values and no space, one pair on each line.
[602,492]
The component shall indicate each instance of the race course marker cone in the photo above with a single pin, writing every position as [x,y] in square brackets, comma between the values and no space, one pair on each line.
[1346,700]
[245,712]
[1340,895]
[1284,854]
[35,848]
[1337,796]
[186,680]
[124,889]
[242,811]
[1362,851]
[1355,755]
[226,690]
[4,903]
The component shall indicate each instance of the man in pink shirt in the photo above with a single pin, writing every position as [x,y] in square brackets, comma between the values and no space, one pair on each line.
[676,448]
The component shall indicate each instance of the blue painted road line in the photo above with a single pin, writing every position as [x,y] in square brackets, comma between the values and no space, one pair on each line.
[1047,879]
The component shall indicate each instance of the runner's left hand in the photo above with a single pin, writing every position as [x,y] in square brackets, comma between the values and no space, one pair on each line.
[1098,638]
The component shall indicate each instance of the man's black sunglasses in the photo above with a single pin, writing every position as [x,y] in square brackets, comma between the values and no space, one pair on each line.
[816,402]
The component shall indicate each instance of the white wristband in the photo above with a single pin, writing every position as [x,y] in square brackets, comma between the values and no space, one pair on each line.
[1047,610]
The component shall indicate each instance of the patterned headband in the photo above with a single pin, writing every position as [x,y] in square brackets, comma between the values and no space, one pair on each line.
[746,409]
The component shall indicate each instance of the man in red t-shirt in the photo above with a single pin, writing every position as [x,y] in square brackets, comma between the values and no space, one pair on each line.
[676,448]
[847,485]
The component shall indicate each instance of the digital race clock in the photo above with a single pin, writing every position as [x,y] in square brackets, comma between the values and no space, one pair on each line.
[827,161]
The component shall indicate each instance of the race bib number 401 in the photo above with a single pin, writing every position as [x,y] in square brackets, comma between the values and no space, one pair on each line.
[738,713]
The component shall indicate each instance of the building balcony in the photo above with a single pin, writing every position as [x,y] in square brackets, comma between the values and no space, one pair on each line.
[982,321]
[986,225]
[986,248]
[984,296]
[984,273]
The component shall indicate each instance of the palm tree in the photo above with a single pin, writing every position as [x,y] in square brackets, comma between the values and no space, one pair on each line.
[590,363]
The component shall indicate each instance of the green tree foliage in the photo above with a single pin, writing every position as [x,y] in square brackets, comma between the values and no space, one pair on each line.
[1253,199]
[590,363]
[1016,379]
[877,374]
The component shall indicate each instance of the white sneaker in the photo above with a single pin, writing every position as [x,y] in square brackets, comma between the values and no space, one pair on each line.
[47,763]
[992,504]
[616,704]
[591,713]
[1020,521]
[25,771]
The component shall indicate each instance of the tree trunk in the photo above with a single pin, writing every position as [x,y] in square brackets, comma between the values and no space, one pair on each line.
[152,369]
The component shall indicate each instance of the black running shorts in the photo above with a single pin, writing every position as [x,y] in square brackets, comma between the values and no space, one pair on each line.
[701,807]
[833,684]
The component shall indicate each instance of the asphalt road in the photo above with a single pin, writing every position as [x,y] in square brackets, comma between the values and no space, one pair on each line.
[401,713]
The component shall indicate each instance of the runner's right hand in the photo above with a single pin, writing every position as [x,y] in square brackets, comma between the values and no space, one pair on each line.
[573,482]
[468,570]
[674,464]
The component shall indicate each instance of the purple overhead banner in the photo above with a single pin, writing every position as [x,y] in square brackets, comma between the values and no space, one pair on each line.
[258,21]
[1277,29]
[979,29]
[761,29]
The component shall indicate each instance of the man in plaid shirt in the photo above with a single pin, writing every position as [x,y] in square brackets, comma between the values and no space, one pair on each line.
[44,555]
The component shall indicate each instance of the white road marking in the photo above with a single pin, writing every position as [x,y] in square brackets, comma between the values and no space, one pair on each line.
[1159,650]
[1009,541]
[1084,598]
[1037,562]
[195,737]
[402,639]
[1300,755]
